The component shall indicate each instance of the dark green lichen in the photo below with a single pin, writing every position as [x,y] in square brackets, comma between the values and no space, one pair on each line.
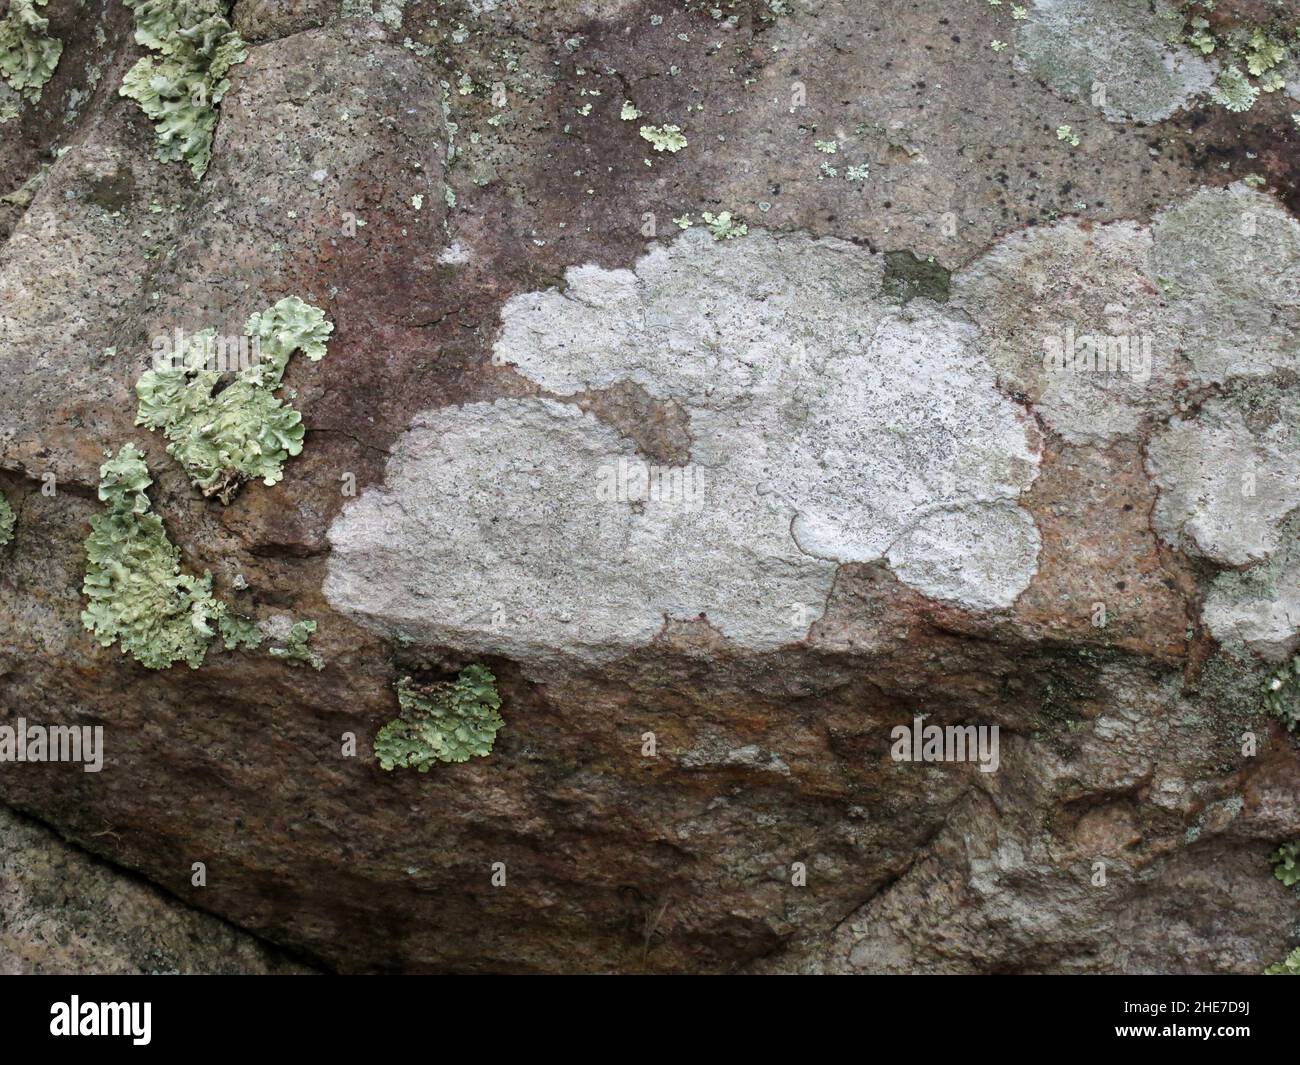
[28,54]
[244,430]
[7,521]
[138,596]
[907,276]
[180,89]
[1282,697]
[449,721]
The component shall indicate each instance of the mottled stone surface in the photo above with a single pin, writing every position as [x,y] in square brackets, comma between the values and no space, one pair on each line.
[64,912]
[916,516]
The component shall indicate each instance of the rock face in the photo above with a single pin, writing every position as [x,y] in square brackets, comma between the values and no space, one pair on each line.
[878,400]
[62,912]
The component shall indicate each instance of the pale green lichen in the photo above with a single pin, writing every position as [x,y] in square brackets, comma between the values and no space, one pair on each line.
[629,111]
[1263,52]
[723,226]
[181,89]
[1067,134]
[244,430]
[1289,966]
[28,54]
[138,596]
[1286,864]
[1234,91]
[664,138]
[449,721]
[295,650]
[6,521]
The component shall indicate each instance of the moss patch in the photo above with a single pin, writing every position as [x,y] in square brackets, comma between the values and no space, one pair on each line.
[907,277]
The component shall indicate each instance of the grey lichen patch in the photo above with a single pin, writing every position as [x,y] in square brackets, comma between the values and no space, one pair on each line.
[1260,607]
[1116,53]
[1231,256]
[448,721]
[7,521]
[980,552]
[28,54]
[1140,311]
[1226,483]
[138,596]
[826,426]
[386,12]
[180,89]
[244,430]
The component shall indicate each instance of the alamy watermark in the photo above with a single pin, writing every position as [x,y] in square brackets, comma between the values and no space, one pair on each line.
[634,481]
[206,350]
[919,742]
[1115,353]
[53,743]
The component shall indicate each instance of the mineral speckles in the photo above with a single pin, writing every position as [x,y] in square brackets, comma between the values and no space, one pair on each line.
[826,426]
[1115,54]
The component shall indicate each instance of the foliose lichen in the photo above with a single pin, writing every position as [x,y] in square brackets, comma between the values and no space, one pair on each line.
[180,89]
[28,54]
[449,721]
[295,650]
[226,437]
[1286,863]
[1289,966]
[1263,50]
[723,226]
[664,138]
[139,598]
[6,521]
[1234,91]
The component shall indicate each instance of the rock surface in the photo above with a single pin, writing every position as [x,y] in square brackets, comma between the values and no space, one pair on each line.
[875,497]
[63,912]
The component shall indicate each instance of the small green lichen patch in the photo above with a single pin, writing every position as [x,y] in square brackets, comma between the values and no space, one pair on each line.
[450,721]
[1234,91]
[226,437]
[723,226]
[181,89]
[28,54]
[138,596]
[6,521]
[1290,966]
[295,650]
[1286,863]
[664,138]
